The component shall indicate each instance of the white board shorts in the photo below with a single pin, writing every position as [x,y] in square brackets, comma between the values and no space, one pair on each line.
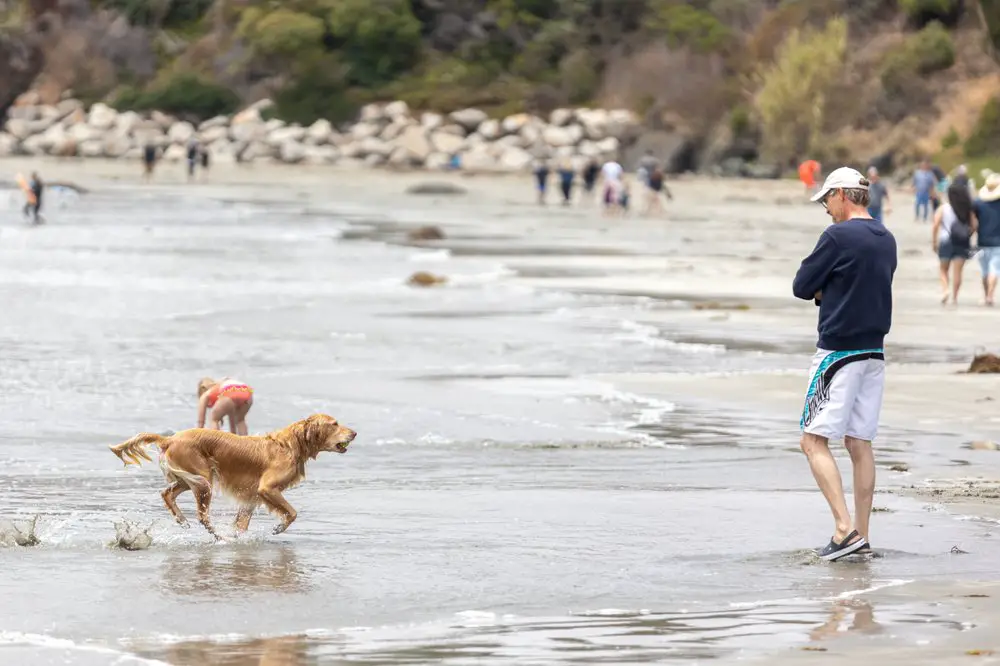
[844,397]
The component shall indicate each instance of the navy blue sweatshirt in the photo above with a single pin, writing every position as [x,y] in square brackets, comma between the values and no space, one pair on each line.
[852,265]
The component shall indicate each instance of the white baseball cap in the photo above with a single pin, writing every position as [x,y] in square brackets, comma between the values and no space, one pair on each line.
[844,178]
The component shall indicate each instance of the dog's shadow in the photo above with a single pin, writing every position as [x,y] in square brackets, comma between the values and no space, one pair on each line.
[277,651]
[234,570]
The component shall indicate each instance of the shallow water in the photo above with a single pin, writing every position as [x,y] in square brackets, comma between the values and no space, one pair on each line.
[501,503]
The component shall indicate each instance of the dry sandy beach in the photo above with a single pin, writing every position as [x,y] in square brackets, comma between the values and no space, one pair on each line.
[715,273]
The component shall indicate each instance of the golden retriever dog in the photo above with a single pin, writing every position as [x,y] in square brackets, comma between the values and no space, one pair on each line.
[252,469]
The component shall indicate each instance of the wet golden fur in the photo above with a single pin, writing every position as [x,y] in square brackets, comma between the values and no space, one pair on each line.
[253,469]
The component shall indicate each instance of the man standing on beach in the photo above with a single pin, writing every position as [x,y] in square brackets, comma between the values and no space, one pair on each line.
[849,276]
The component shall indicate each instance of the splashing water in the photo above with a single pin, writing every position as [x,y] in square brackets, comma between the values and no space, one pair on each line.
[19,533]
[131,536]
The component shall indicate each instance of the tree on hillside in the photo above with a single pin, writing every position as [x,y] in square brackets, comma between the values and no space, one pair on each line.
[792,98]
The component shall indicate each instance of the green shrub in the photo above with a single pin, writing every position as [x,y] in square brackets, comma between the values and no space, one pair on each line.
[155,13]
[739,120]
[184,95]
[281,33]
[687,26]
[376,39]
[794,90]
[990,14]
[580,76]
[317,89]
[925,10]
[985,136]
[950,140]
[930,50]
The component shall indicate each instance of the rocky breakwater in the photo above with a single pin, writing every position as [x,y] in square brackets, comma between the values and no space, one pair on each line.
[384,135]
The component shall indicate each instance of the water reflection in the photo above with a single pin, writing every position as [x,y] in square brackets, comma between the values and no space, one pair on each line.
[230,571]
[279,651]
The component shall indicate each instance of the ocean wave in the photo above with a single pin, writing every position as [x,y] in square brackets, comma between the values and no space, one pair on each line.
[651,336]
[435,256]
[15,638]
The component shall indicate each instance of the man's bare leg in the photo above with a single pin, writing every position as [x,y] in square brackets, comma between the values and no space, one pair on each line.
[827,475]
[991,288]
[863,461]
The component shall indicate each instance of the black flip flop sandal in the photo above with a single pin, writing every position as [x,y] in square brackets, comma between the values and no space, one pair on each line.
[834,551]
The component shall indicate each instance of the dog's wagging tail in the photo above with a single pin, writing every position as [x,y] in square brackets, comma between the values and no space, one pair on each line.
[252,469]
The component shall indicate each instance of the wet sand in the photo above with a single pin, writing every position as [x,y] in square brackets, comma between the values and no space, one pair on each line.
[707,282]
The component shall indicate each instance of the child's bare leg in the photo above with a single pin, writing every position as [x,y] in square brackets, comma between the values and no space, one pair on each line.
[242,410]
[225,407]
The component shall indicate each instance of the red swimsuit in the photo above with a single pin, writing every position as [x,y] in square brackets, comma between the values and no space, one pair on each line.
[235,390]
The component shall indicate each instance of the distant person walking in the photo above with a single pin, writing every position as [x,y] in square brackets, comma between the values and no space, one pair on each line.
[33,207]
[148,160]
[987,209]
[611,175]
[656,188]
[541,180]
[849,275]
[951,236]
[590,173]
[205,161]
[566,177]
[924,182]
[878,196]
[808,173]
[192,157]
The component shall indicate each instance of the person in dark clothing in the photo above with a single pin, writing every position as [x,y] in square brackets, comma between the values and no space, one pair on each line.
[987,209]
[655,189]
[148,160]
[566,176]
[590,173]
[33,208]
[542,178]
[849,276]
[192,157]
[204,160]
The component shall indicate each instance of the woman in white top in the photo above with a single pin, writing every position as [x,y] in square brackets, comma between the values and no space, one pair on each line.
[951,236]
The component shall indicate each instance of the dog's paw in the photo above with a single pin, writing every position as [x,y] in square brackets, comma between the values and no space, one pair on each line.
[278,529]
[185,524]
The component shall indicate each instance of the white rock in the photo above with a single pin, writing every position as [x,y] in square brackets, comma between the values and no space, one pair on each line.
[34,145]
[274,124]
[414,141]
[479,158]
[291,152]
[116,145]
[90,148]
[490,129]
[248,115]
[373,113]
[609,146]
[75,117]
[154,136]
[18,128]
[397,110]
[53,135]
[163,120]
[262,105]
[8,144]
[39,126]
[217,121]
[352,150]
[127,122]
[256,150]
[562,136]
[282,135]
[393,130]
[437,161]
[515,159]
[511,140]
[337,139]
[26,113]
[564,152]
[181,132]
[374,160]
[431,121]
[221,151]
[68,106]
[373,146]
[514,124]
[133,154]
[447,143]
[473,141]
[175,153]
[470,119]
[247,132]
[620,122]
[594,122]
[561,117]
[49,112]
[212,134]
[82,132]
[402,157]
[456,130]
[102,116]
[588,148]
[531,134]
[319,132]
[365,130]
[319,155]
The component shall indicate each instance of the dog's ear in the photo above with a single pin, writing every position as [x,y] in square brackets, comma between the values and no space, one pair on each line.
[312,428]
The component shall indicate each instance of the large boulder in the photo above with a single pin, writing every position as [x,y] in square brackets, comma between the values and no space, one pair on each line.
[217,121]
[394,129]
[255,150]
[127,122]
[415,143]
[291,152]
[319,155]
[319,133]
[431,121]
[68,106]
[594,123]
[116,145]
[490,130]
[91,148]
[247,132]
[609,147]
[274,124]
[447,143]
[82,132]
[514,124]
[8,144]
[175,153]
[622,124]
[26,113]
[397,111]
[102,116]
[561,117]
[34,145]
[479,158]
[451,128]
[515,159]
[282,135]
[373,113]
[163,121]
[469,119]
[562,136]
[374,160]
[18,128]
[210,135]
[352,150]
[375,146]
[248,115]
[365,130]
[437,161]
[181,132]
[222,151]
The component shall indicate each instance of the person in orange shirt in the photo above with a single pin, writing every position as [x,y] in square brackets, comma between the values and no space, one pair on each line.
[227,397]
[808,173]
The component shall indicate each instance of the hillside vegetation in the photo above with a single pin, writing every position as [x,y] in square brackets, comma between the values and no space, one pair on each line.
[768,79]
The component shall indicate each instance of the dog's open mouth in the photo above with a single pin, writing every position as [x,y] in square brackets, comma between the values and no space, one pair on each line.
[341,448]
